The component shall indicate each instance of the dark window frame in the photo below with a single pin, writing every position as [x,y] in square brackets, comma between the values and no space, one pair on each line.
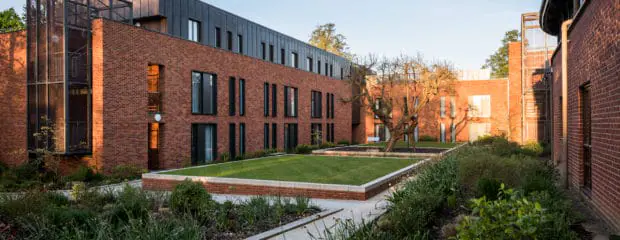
[266,99]
[232,96]
[242,140]
[310,62]
[263,46]
[218,37]
[232,140]
[287,104]
[229,41]
[241,97]
[282,56]
[198,30]
[266,136]
[294,60]
[272,57]
[240,43]
[316,104]
[318,64]
[274,136]
[274,100]
[195,139]
[201,108]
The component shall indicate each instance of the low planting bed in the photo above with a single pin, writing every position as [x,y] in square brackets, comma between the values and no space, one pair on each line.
[187,213]
[292,175]
[400,150]
[420,144]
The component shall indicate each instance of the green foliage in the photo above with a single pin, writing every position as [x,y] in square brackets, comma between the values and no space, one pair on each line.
[131,203]
[343,142]
[427,138]
[326,38]
[225,157]
[498,61]
[326,144]
[190,197]
[304,149]
[85,174]
[512,216]
[533,148]
[10,21]
[127,172]
[488,188]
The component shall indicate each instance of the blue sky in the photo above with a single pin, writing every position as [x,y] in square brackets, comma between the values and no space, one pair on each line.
[464,32]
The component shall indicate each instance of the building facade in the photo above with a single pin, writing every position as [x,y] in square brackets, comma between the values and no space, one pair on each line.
[120,91]
[586,95]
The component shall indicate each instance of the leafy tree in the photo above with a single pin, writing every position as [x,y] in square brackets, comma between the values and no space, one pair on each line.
[498,62]
[402,83]
[326,38]
[10,21]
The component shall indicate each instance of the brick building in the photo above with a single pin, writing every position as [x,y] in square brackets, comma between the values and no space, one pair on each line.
[586,95]
[516,106]
[160,84]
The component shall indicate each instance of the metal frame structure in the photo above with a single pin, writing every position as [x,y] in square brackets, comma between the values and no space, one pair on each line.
[59,69]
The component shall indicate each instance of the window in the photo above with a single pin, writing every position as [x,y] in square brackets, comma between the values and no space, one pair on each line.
[229,40]
[241,138]
[329,129]
[193,33]
[294,62]
[290,136]
[231,96]
[442,106]
[263,48]
[328,103]
[442,132]
[452,107]
[318,64]
[204,93]
[232,140]
[266,99]
[218,37]
[309,63]
[341,73]
[271,53]
[479,106]
[240,43]
[316,104]
[453,132]
[415,134]
[282,56]
[241,97]
[266,136]
[153,81]
[204,143]
[326,69]
[332,105]
[333,133]
[377,106]
[290,101]
[477,130]
[274,136]
[331,70]
[316,133]
[274,100]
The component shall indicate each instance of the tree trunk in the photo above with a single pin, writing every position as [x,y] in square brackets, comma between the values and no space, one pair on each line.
[390,144]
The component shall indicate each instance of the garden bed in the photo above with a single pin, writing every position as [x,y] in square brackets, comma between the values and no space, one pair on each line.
[187,213]
[292,175]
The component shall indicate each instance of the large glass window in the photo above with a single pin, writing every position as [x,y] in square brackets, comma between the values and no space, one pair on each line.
[241,97]
[479,106]
[316,103]
[231,96]
[232,140]
[204,143]
[266,136]
[309,64]
[266,99]
[204,93]
[193,33]
[290,101]
[316,133]
[240,43]
[274,136]
[442,106]
[274,100]
[241,138]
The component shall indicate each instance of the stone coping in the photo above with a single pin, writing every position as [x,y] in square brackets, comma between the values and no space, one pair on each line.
[366,189]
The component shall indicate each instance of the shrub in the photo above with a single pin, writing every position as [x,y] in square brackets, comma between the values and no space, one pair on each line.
[256,154]
[326,144]
[511,216]
[488,188]
[126,172]
[427,138]
[131,203]
[304,149]
[532,148]
[190,197]
[343,142]
[84,174]
[225,157]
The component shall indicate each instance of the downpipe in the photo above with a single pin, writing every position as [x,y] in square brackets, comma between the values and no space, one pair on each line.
[563,164]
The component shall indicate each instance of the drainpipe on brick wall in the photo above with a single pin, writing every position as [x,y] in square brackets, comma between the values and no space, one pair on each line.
[564,156]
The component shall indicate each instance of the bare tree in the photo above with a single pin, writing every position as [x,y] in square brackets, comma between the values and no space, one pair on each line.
[402,83]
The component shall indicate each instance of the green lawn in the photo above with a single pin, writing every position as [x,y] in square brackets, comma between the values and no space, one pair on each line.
[403,144]
[304,168]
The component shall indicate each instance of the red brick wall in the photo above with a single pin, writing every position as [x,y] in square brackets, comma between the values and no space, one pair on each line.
[594,57]
[429,116]
[13,98]
[121,54]
[514,78]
